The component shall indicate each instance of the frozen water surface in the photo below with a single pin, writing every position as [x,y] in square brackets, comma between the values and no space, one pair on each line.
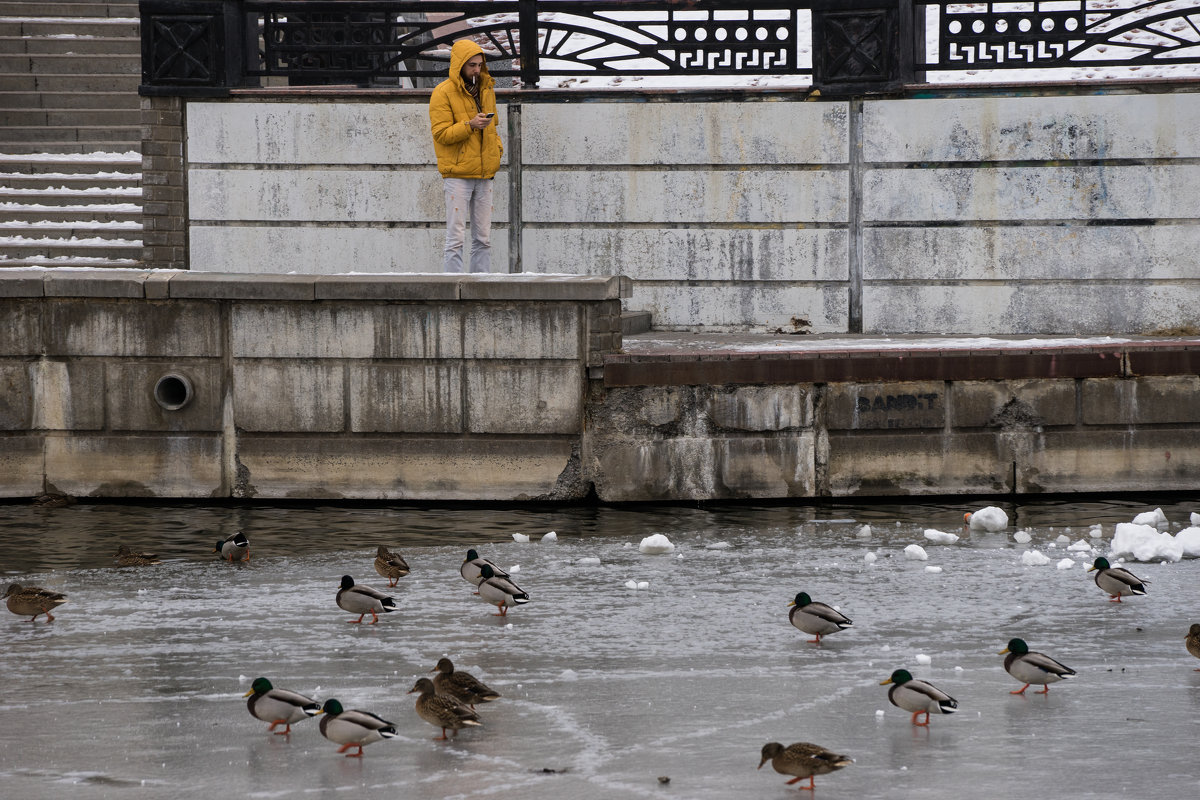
[135,689]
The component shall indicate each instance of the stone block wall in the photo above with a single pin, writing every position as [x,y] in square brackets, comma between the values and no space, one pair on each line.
[298,386]
[993,423]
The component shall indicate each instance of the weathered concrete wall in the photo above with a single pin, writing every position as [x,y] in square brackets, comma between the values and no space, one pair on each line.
[303,386]
[896,438]
[1064,213]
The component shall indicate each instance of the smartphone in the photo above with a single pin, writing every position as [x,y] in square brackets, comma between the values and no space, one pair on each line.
[489,116]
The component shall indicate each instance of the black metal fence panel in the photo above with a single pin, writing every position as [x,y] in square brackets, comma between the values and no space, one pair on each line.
[1070,33]
[855,45]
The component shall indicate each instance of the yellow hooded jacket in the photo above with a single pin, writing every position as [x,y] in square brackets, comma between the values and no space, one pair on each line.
[461,151]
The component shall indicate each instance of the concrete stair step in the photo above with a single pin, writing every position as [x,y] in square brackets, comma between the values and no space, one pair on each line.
[71,117]
[96,82]
[65,148]
[35,261]
[38,163]
[71,228]
[51,64]
[79,180]
[18,248]
[634,322]
[25,8]
[69,198]
[63,100]
[41,25]
[60,44]
[13,212]
[63,133]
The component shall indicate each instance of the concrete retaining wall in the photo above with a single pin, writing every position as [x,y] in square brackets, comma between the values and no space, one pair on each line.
[1064,213]
[464,388]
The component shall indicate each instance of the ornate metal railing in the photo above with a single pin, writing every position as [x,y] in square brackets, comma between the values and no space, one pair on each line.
[852,45]
[1078,33]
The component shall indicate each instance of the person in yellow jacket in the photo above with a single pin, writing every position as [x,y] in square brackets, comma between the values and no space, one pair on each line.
[462,117]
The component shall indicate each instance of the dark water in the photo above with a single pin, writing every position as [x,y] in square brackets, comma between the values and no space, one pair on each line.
[135,690]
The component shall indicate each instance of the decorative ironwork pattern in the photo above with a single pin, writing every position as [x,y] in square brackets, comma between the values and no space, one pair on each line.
[855,46]
[1075,33]
[182,50]
[370,42]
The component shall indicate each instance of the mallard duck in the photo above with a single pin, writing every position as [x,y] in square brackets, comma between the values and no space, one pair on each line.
[1192,641]
[127,558]
[32,601]
[803,760]
[353,728]
[1116,581]
[235,548]
[363,600]
[462,686]
[817,619]
[442,711]
[279,706]
[1029,667]
[500,592]
[472,566]
[918,697]
[390,565]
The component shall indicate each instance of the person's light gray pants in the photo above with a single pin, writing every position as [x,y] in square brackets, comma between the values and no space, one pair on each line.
[468,197]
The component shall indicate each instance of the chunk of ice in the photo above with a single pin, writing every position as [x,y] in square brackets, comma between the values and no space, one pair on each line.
[870,558]
[938,537]
[520,537]
[1066,563]
[915,552]
[924,659]
[865,531]
[1022,537]
[656,543]
[1032,558]
[550,537]
[933,570]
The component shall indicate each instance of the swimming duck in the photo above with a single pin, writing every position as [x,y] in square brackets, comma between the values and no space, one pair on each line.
[33,600]
[127,558]
[442,711]
[1192,641]
[235,548]
[363,600]
[817,619]
[918,697]
[390,565]
[462,686]
[500,592]
[1030,667]
[353,728]
[803,760]
[1116,581]
[472,566]
[279,706]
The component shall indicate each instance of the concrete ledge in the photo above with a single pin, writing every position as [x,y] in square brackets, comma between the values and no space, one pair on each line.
[182,284]
[134,466]
[22,462]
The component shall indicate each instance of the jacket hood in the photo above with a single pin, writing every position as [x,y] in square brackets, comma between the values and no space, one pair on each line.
[460,53]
